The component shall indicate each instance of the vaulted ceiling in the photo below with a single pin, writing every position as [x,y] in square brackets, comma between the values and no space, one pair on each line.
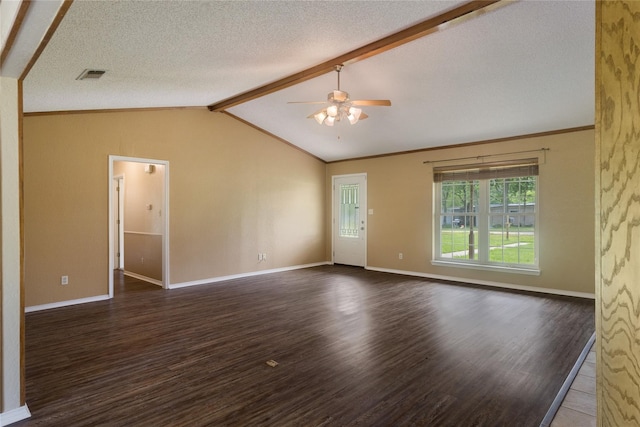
[517,68]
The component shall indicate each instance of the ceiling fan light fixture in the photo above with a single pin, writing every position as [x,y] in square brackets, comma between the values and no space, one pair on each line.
[354,115]
[320,116]
[341,107]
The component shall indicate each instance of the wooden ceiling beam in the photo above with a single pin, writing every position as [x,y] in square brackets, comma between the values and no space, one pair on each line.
[15,28]
[457,15]
[64,8]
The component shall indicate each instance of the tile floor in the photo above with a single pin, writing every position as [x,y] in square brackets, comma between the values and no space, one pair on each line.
[579,405]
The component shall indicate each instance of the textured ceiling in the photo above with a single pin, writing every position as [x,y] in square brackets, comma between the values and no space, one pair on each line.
[193,53]
[524,68]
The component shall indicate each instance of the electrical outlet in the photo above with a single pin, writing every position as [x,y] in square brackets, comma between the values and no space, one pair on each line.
[64,280]
[259,256]
[264,257]
[400,256]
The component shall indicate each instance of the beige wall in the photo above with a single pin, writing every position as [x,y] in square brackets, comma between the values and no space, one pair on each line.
[400,191]
[231,198]
[234,192]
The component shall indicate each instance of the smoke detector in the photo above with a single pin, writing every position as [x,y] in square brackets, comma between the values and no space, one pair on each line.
[90,74]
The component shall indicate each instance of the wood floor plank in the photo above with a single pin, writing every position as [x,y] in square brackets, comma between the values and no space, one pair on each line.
[581,402]
[354,348]
[588,369]
[569,418]
[584,384]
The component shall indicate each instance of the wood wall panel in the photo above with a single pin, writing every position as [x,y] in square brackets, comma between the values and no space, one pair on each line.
[618,208]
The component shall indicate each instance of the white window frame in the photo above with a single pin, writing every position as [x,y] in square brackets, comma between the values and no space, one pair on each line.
[482,261]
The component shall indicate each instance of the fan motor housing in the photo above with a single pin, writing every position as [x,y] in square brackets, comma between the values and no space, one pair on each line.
[338,96]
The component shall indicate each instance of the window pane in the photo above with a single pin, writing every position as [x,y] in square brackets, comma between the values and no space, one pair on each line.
[509,244]
[349,205]
[508,223]
[458,239]
[512,220]
[526,238]
[459,196]
[458,220]
[447,197]
[498,195]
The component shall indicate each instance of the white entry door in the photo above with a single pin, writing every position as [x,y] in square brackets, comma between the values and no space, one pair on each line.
[350,219]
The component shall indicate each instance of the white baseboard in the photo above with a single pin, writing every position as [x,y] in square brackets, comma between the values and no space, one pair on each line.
[143,278]
[14,415]
[171,286]
[488,283]
[65,303]
[242,275]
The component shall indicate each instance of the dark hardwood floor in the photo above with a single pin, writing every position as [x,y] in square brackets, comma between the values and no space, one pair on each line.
[354,348]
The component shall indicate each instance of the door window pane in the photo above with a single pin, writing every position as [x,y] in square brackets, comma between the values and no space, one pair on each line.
[349,210]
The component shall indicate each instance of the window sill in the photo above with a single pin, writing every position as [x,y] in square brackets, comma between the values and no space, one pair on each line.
[502,269]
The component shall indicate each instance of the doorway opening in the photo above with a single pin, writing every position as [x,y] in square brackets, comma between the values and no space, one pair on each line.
[138,220]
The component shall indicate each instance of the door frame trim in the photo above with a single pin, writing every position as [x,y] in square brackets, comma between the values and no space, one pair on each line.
[121,184]
[165,207]
[333,211]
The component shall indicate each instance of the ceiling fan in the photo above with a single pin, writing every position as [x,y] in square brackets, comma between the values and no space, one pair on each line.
[342,107]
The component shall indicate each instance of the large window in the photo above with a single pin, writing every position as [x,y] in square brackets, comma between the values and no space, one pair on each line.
[487,215]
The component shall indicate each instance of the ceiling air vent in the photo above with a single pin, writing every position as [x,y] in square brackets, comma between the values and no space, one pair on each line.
[90,74]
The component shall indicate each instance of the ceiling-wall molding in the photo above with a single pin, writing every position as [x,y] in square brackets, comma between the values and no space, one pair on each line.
[440,22]
[108,110]
[284,141]
[138,110]
[470,144]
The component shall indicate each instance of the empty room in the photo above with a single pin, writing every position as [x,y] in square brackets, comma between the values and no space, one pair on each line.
[293,213]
